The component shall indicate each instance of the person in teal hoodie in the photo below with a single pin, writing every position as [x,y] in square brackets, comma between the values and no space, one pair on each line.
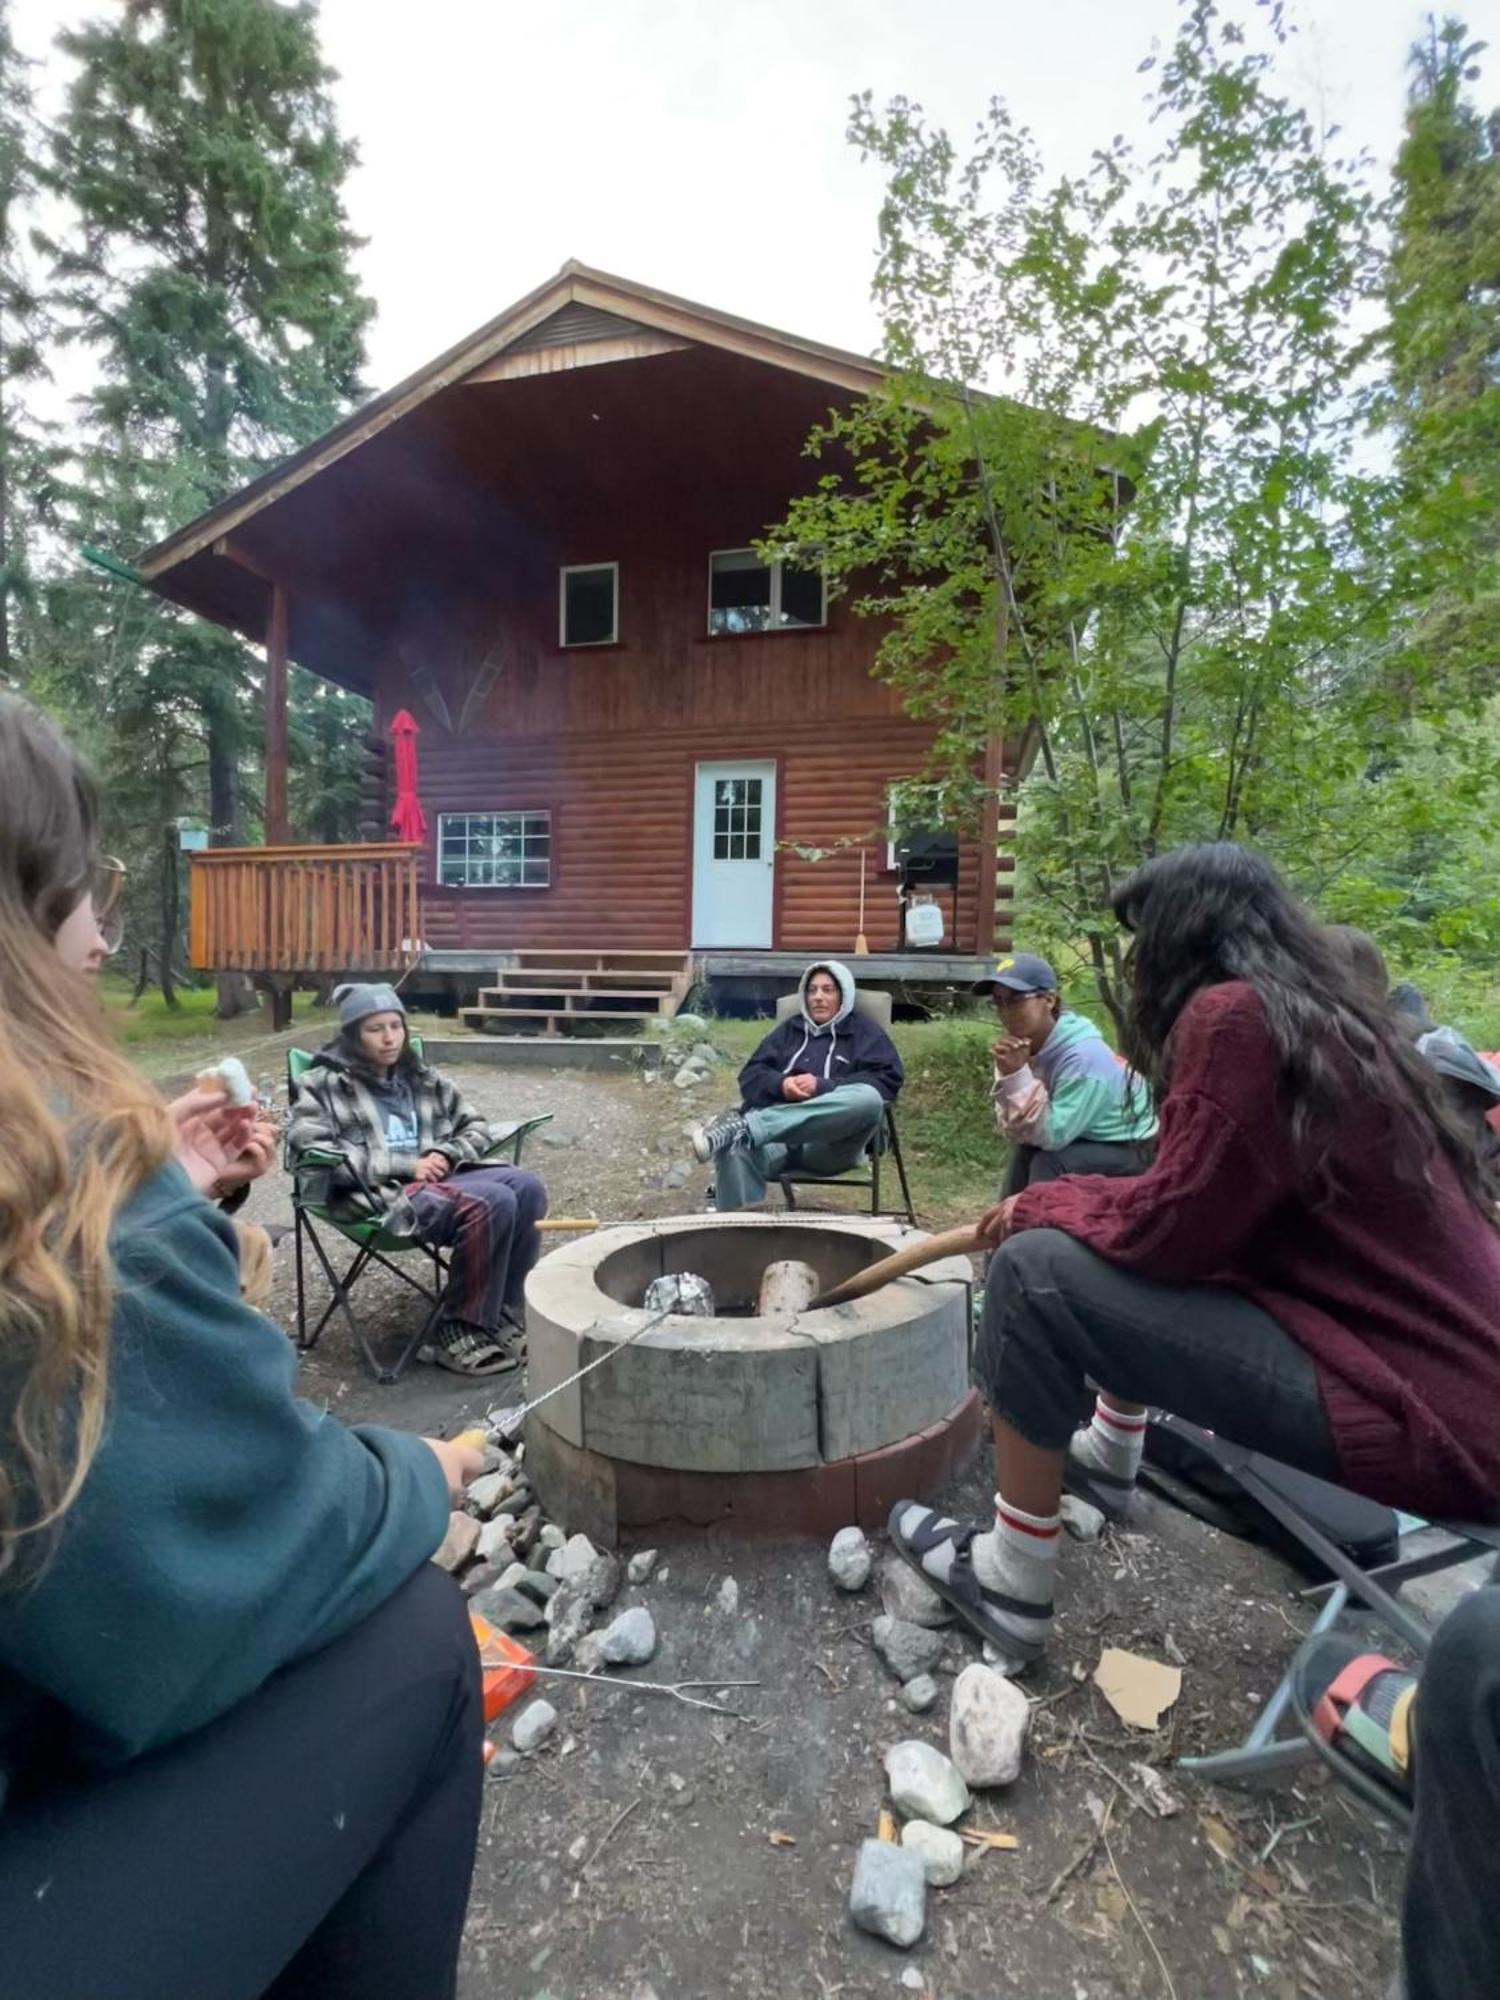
[1062,1099]
[240,1720]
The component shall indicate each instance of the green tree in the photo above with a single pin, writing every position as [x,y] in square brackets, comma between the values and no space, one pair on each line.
[212,277]
[1165,564]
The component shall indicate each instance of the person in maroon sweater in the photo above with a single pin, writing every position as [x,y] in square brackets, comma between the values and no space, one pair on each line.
[1311,1266]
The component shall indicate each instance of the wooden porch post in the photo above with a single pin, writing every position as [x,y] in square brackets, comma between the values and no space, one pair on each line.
[989,845]
[277,830]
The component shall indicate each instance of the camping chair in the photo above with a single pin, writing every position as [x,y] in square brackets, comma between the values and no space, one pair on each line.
[371,1243]
[1264,1748]
[877,1007]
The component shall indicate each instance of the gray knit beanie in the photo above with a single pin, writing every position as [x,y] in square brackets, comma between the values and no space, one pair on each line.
[357,1003]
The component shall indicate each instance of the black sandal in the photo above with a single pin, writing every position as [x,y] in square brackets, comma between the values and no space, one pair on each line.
[983,1610]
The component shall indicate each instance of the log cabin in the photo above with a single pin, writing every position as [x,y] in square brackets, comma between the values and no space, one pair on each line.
[645,755]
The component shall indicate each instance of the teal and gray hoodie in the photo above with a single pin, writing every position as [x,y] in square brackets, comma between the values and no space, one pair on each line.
[1073,1088]
[225,1527]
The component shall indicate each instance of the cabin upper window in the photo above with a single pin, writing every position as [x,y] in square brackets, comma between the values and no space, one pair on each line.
[589,604]
[495,850]
[748,595]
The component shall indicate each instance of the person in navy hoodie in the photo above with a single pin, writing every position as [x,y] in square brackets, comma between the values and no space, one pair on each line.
[813,1094]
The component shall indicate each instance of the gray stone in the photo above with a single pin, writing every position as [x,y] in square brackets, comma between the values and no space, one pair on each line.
[919,1694]
[706,1053]
[496,1539]
[912,1979]
[505,1762]
[551,1536]
[908,1650]
[987,1724]
[458,1544]
[640,1566]
[569,1617]
[526,1530]
[511,1575]
[689,1024]
[889,1894]
[478,1576]
[486,1492]
[924,1784]
[677,1175]
[904,1595]
[552,1137]
[687,1079]
[516,1501]
[941,1851]
[533,1726]
[849,1559]
[588,1654]
[509,1611]
[1083,1522]
[630,1640]
[729,1597]
[537,1586]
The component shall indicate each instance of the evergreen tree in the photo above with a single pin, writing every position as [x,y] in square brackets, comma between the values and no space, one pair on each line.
[212,275]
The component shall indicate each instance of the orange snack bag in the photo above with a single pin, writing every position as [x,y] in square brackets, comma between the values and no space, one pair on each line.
[506,1666]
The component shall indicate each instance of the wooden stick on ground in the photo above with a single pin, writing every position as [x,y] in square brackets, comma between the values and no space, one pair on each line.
[947,1243]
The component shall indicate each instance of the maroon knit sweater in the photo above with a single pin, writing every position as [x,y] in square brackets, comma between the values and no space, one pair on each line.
[1393,1290]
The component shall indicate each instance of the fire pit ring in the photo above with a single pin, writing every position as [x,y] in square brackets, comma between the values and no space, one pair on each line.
[799,1424]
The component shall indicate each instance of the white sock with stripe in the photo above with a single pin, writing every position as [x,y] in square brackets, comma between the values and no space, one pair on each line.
[1112,1444]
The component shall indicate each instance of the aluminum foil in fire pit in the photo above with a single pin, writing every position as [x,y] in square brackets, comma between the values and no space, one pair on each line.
[683,1292]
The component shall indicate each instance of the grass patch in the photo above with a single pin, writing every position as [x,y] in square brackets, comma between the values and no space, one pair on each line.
[160,1039]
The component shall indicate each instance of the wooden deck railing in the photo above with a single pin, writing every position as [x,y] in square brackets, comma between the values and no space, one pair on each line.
[305,909]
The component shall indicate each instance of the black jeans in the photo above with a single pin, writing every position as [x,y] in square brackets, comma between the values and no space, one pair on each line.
[315,1843]
[1031,1166]
[1058,1318]
[1450,1931]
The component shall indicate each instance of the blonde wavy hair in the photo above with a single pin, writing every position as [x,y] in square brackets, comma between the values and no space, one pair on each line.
[79,1133]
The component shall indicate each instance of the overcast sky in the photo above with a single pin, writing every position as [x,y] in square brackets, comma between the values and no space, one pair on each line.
[697,145]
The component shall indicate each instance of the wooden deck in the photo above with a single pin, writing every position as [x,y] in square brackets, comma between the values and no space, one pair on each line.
[306,910]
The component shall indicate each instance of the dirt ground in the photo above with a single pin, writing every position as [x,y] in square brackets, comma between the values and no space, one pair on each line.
[633,1859]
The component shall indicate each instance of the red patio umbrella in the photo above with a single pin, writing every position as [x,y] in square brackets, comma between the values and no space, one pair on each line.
[408,821]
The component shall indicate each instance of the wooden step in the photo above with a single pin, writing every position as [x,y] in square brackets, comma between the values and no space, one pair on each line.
[529,979]
[497,995]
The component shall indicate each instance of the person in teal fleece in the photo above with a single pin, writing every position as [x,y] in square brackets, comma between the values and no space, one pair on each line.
[1061,1098]
[240,1720]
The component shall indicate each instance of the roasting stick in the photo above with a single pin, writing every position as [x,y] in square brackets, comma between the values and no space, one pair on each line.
[947,1243]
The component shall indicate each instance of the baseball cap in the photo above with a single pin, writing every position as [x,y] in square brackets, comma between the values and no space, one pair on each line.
[1020,972]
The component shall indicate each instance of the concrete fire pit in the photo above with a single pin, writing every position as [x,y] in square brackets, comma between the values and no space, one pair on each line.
[782,1424]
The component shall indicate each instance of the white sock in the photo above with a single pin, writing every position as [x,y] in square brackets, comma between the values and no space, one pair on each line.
[1112,1443]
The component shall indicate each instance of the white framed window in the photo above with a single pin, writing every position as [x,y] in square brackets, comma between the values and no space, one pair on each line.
[494,850]
[911,812]
[588,604]
[748,595]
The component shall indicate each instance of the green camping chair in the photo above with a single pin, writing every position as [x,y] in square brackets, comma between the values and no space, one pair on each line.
[371,1243]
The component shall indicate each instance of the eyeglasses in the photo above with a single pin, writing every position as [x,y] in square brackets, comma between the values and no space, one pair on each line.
[106,888]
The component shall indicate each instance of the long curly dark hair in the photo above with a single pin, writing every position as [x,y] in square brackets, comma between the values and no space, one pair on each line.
[1205,914]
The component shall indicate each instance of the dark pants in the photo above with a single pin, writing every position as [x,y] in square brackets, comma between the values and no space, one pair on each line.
[486,1218]
[1032,1166]
[1450,1924]
[1058,1318]
[315,1843]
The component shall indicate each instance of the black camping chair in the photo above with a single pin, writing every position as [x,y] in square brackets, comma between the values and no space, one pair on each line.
[309,1171]
[877,1007]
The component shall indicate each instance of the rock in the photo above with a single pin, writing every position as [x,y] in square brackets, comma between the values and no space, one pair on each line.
[504,1762]
[533,1726]
[579,1563]
[687,1079]
[551,1536]
[941,1850]
[495,1538]
[912,1979]
[478,1576]
[919,1694]
[677,1175]
[458,1544]
[729,1597]
[924,1784]
[904,1595]
[485,1493]
[689,1024]
[495,1460]
[552,1137]
[908,1650]
[508,1610]
[889,1894]
[705,1052]
[516,1501]
[569,1616]
[1083,1522]
[849,1559]
[588,1654]
[537,1587]
[511,1575]
[987,1724]
[640,1566]
[526,1530]
[630,1640]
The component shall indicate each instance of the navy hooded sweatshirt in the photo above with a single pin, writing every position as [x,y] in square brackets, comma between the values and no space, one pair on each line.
[850,1048]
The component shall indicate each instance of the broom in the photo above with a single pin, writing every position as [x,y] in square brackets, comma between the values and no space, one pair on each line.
[861,942]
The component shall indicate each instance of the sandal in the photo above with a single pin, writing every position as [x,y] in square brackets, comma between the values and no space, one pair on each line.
[1111,1495]
[1355,1709]
[464,1350]
[988,1612]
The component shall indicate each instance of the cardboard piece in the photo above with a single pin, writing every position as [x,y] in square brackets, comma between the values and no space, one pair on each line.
[1140,1691]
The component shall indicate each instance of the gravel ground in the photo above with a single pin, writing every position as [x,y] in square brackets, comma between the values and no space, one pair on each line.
[632,1859]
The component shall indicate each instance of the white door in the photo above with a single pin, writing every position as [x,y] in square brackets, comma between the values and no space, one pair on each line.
[734,854]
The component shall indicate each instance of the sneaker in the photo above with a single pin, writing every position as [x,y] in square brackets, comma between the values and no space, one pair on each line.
[720,1135]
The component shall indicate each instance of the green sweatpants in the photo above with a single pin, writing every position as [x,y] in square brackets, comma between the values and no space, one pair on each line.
[828,1135]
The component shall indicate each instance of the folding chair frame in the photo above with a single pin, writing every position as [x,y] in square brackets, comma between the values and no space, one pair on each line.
[1265,1749]
[790,1182]
[371,1246]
